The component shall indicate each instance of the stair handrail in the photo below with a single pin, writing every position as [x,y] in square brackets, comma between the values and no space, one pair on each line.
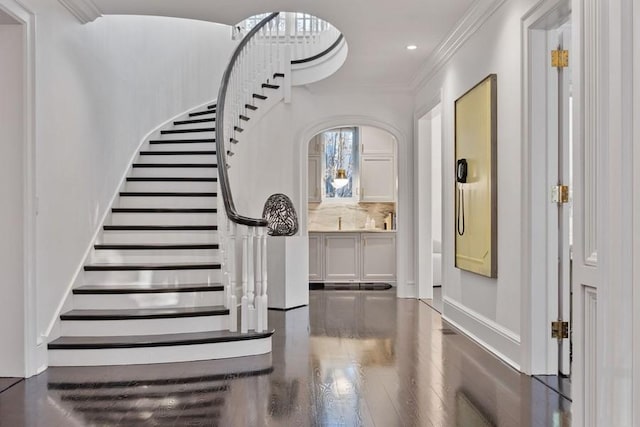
[223,176]
[321,54]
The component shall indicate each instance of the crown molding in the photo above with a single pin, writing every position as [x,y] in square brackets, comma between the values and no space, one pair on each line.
[84,10]
[472,20]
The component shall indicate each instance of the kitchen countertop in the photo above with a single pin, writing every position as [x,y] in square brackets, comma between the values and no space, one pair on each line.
[359,230]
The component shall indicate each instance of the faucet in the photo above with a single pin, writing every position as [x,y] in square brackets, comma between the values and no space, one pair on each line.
[339,223]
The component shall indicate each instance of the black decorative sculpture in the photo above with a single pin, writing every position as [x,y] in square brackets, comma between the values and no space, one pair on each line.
[280,215]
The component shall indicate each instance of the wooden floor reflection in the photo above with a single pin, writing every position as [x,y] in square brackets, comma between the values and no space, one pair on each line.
[349,359]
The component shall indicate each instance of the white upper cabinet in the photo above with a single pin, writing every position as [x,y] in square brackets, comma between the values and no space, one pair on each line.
[376,141]
[314,179]
[377,179]
[315,145]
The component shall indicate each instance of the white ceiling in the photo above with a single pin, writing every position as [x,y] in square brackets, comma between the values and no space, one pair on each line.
[6,19]
[377,31]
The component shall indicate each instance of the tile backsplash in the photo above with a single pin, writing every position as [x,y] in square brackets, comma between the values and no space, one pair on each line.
[324,216]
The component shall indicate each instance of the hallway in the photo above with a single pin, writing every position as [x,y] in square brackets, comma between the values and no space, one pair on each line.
[350,358]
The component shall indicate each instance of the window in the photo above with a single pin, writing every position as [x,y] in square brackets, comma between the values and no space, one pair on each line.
[340,161]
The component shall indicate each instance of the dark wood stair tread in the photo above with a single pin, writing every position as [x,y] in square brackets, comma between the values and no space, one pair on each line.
[144,313]
[183,141]
[211,107]
[166,194]
[193,121]
[175,165]
[196,130]
[258,96]
[171,179]
[152,267]
[141,341]
[164,210]
[178,153]
[250,107]
[155,246]
[270,86]
[146,289]
[276,75]
[202,113]
[159,227]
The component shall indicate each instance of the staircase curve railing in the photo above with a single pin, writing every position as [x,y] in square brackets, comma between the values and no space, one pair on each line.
[258,60]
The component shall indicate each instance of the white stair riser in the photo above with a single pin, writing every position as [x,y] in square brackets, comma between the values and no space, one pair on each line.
[188,186]
[144,237]
[189,135]
[196,125]
[151,277]
[128,256]
[177,325]
[167,202]
[177,172]
[191,146]
[155,300]
[136,356]
[208,158]
[162,218]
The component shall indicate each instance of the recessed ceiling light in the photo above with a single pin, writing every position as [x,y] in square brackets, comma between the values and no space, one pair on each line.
[412,47]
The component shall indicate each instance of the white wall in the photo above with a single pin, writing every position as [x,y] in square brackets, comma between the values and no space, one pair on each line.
[488,309]
[11,191]
[100,88]
[436,176]
[279,147]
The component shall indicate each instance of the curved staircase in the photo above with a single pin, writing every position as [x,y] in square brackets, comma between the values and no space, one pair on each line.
[153,287]
[176,271]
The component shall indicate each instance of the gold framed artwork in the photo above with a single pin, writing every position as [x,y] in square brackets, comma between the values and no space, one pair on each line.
[476,184]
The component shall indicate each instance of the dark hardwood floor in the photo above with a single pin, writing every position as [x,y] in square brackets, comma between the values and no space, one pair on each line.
[351,358]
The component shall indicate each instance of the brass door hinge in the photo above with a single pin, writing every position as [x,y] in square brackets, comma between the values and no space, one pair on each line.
[560,58]
[560,194]
[559,330]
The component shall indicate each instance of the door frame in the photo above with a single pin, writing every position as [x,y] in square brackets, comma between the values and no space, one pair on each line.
[423,188]
[539,352]
[34,345]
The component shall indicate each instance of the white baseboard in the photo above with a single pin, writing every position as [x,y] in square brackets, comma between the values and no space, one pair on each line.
[495,338]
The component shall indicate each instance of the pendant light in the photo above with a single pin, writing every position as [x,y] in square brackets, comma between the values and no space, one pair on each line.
[340,180]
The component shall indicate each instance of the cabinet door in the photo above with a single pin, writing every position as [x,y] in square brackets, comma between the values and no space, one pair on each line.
[379,257]
[315,145]
[376,141]
[314,179]
[315,257]
[377,179]
[342,257]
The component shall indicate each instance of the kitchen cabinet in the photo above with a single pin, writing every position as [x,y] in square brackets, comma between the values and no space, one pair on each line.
[342,257]
[315,179]
[374,141]
[352,256]
[377,178]
[378,256]
[316,257]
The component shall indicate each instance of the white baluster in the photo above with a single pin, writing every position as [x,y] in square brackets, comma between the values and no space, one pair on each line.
[265,299]
[223,249]
[258,274]
[244,323]
[233,303]
[251,285]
